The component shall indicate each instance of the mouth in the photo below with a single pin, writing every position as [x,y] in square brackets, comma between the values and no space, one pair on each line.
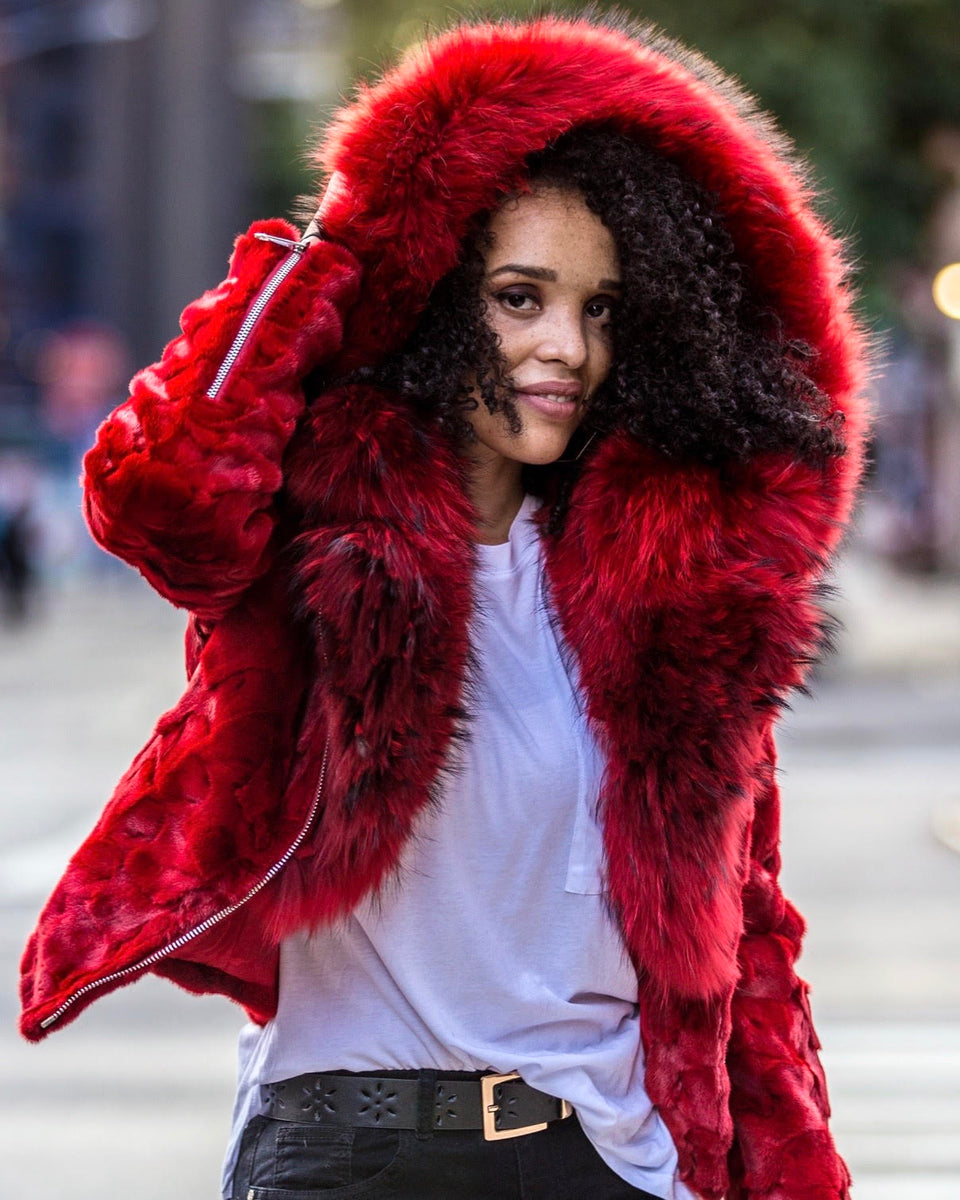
[556,405]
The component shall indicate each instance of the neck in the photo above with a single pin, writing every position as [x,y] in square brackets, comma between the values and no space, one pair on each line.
[497,493]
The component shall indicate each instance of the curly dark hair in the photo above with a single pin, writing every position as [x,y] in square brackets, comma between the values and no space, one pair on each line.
[701,370]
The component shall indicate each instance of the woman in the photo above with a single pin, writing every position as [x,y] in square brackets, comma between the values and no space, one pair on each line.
[499,504]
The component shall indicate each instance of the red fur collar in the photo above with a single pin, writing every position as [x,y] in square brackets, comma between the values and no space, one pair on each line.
[686,595]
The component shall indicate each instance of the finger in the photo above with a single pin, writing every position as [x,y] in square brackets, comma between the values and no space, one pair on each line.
[314,229]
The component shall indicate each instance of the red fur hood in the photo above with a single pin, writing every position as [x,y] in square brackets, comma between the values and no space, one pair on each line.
[326,556]
[445,134]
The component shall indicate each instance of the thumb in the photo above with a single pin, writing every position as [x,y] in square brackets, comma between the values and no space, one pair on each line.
[335,193]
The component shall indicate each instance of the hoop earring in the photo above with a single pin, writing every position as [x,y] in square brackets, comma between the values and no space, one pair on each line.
[580,452]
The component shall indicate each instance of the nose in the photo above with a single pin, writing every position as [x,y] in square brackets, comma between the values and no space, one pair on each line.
[563,338]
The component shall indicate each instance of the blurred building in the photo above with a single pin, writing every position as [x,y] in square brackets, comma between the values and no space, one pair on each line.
[130,157]
[137,139]
[943,250]
[913,512]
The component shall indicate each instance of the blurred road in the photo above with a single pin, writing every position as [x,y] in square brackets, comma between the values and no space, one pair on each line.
[134,1099]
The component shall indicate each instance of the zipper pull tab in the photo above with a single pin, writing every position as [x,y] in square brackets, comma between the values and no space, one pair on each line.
[282,241]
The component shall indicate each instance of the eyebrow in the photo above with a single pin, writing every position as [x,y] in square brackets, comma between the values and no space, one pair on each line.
[546,274]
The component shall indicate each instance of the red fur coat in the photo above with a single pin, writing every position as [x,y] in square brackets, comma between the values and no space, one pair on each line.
[325,556]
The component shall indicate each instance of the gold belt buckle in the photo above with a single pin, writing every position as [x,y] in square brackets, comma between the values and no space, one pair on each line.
[491,1108]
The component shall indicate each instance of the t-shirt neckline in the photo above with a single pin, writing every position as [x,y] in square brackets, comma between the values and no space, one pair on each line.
[507,556]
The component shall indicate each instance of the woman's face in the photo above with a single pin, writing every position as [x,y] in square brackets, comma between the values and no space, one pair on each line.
[551,285]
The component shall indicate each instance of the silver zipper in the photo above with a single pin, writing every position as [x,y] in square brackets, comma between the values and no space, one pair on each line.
[260,302]
[209,923]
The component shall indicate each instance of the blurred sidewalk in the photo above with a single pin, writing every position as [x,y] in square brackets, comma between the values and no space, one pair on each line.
[894,625]
[139,1089]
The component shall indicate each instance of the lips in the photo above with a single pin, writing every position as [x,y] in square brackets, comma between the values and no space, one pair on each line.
[553,388]
[555,399]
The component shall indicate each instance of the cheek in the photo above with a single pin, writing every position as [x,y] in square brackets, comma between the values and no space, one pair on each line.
[511,336]
[602,361]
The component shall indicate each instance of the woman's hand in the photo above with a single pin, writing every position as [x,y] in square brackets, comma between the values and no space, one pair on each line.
[334,193]
[314,231]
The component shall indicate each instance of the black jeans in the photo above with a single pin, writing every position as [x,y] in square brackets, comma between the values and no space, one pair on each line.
[281,1160]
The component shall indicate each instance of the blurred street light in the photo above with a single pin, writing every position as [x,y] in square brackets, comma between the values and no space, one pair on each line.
[946,290]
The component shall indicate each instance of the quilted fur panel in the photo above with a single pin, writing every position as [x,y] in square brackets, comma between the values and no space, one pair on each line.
[194,821]
[778,1101]
[181,486]
[686,1079]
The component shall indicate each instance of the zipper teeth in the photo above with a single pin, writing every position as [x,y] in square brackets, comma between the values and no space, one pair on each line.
[256,308]
[215,919]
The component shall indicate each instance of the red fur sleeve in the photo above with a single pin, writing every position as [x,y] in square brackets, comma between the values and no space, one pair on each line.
[782,1149]
[182,486]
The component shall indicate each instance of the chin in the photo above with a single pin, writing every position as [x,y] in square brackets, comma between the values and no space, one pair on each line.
[543,460]
[543,442]
[540,452]
[536,445]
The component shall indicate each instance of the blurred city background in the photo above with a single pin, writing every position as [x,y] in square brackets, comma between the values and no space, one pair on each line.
[137,138]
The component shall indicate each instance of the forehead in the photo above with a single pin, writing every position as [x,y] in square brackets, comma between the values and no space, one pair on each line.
[553,229]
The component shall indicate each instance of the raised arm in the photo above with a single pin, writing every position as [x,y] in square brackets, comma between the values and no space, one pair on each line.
[778,1101]
[182,480]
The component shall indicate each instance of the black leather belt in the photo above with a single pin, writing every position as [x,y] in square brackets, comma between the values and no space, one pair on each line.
[503,1106]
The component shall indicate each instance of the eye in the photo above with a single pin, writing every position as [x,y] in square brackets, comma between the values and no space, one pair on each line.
[601,309]
[516,300]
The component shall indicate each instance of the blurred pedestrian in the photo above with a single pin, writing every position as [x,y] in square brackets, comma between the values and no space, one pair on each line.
[500,502]
[17,575]
[80,367]
[19,536]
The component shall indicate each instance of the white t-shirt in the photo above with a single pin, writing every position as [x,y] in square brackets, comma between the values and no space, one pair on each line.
[492,948]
